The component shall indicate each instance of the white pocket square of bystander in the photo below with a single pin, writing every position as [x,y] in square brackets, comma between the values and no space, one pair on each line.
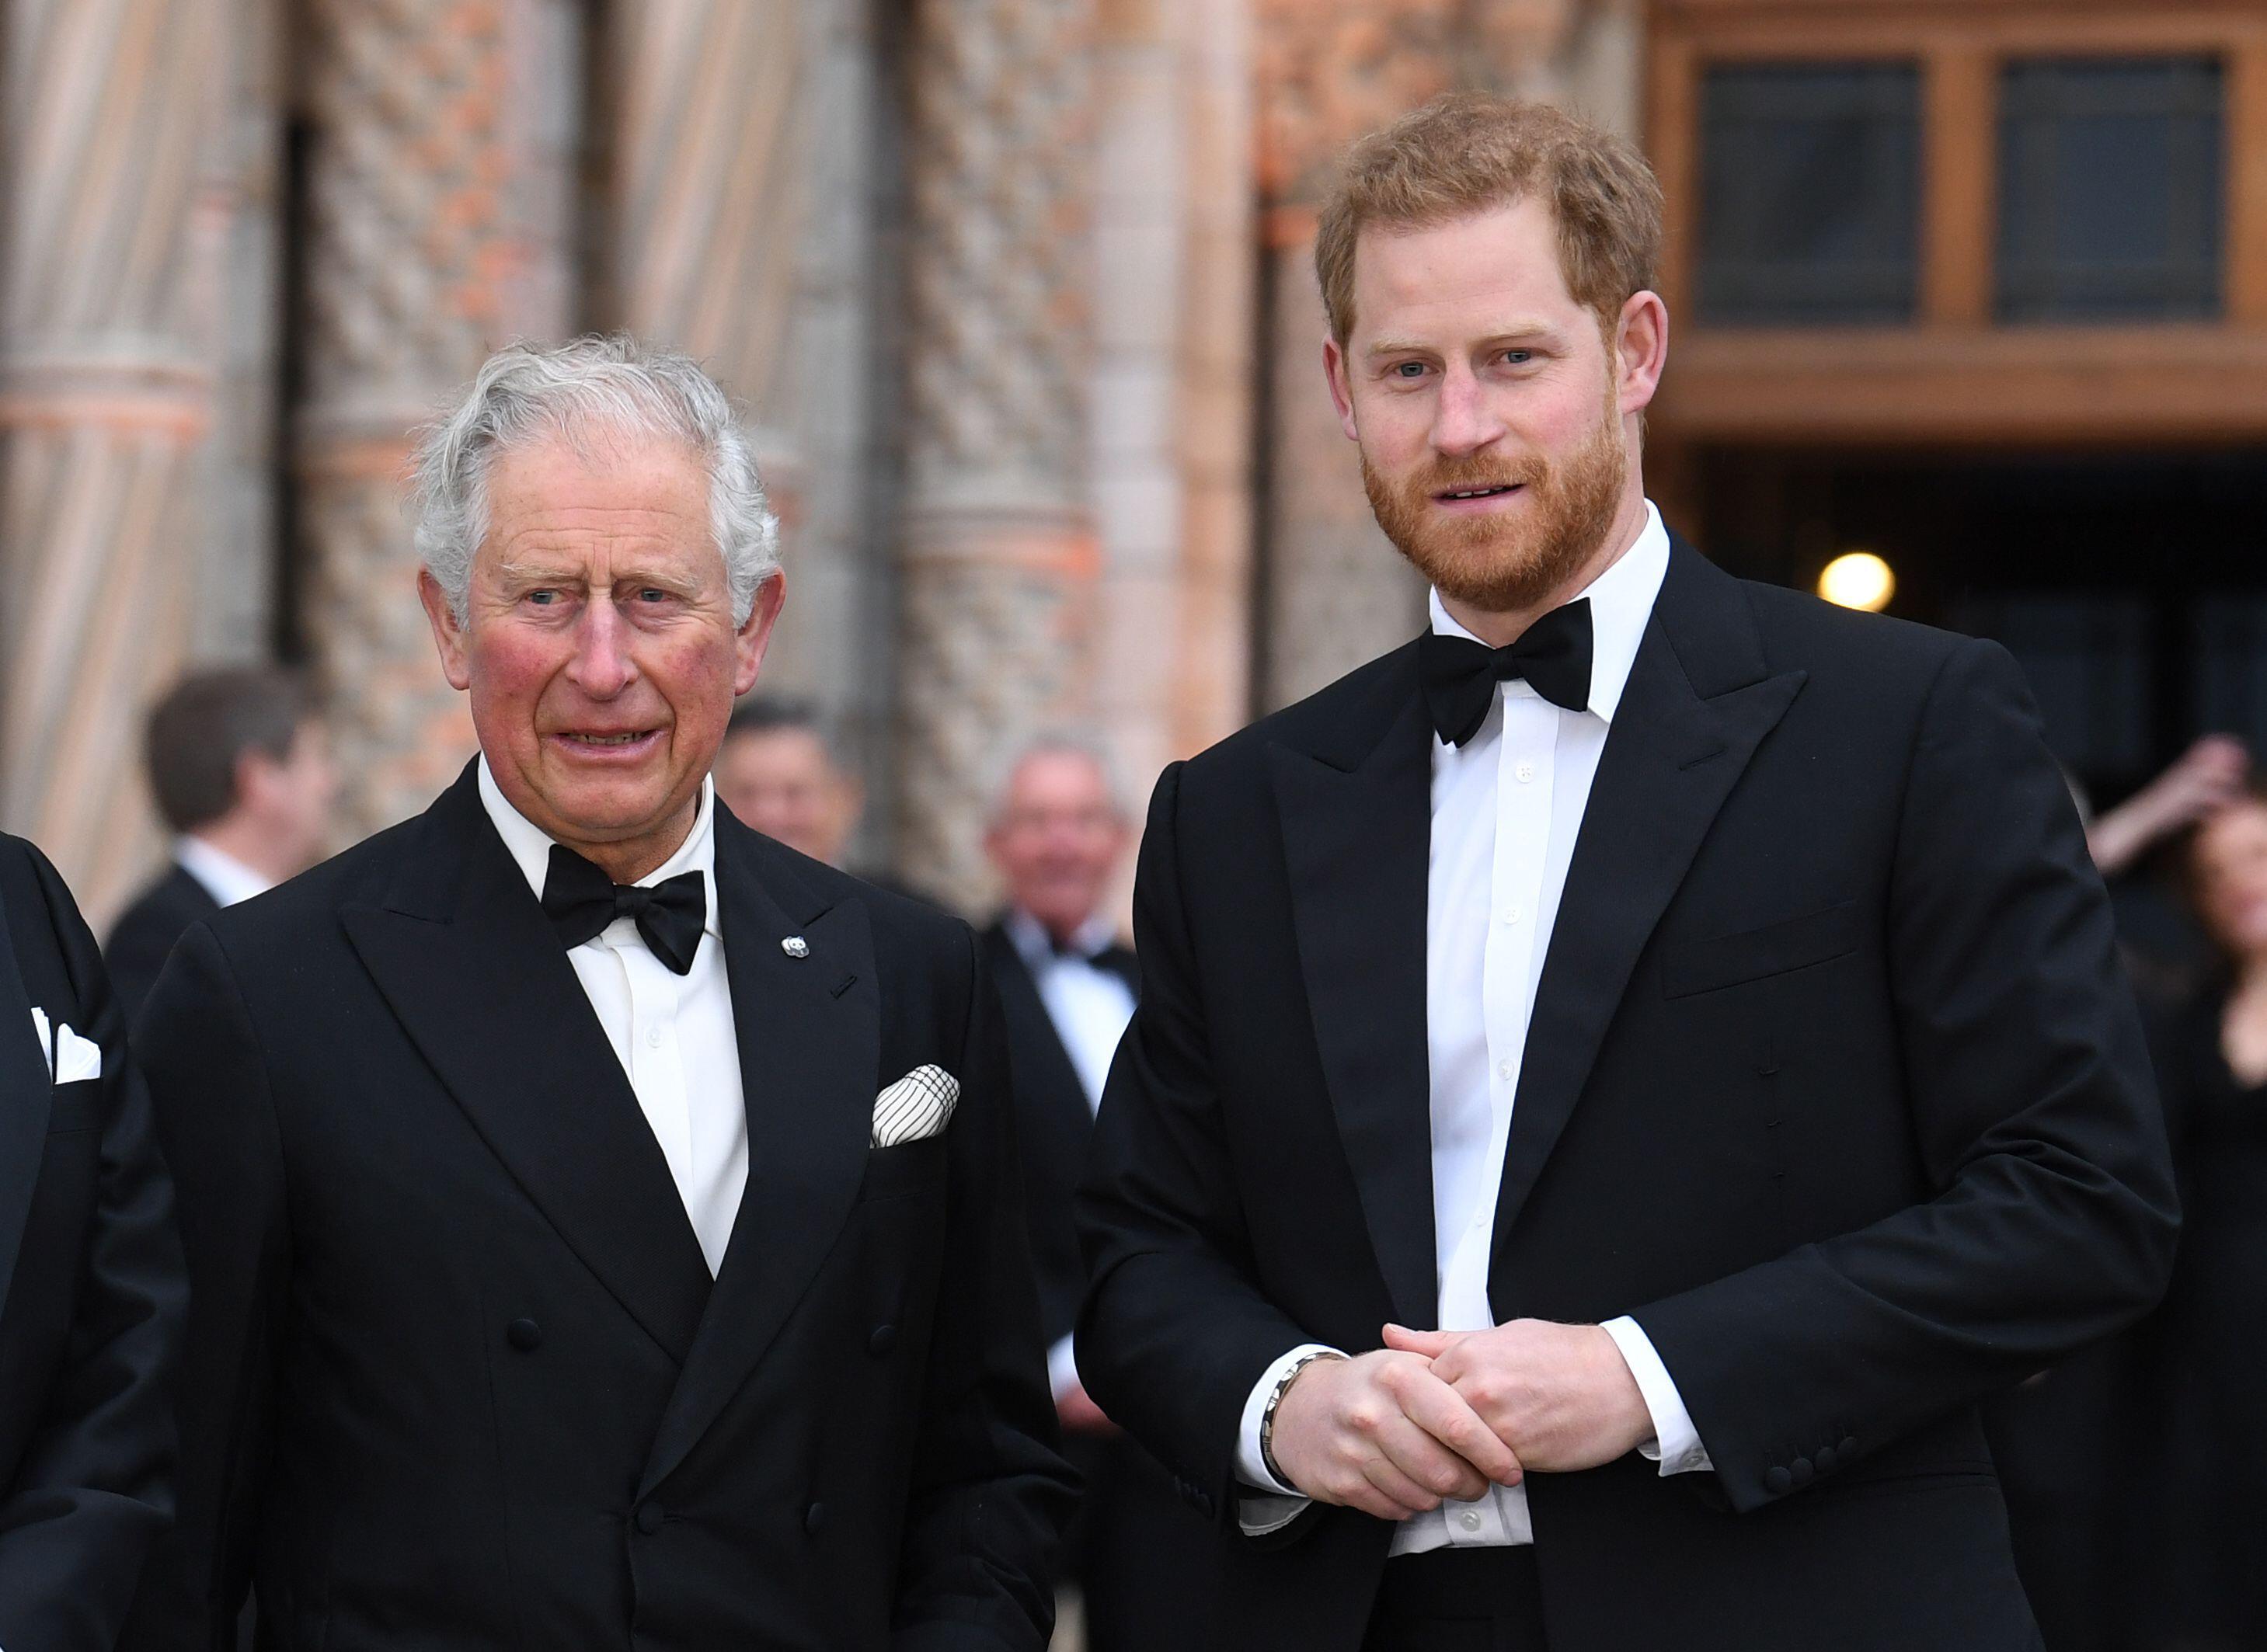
[71,1057]
[917,1107]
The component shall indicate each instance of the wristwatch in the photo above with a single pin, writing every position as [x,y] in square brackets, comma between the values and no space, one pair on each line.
[1275,1398]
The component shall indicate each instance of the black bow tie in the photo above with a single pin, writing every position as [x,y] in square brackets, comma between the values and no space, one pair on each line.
[581,900]
[1460,675]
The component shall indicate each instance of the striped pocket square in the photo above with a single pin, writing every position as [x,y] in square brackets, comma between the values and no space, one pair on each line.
[918,1106]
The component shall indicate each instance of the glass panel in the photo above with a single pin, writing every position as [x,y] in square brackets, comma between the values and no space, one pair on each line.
[1809,194]
[2111,191]
[2087,659]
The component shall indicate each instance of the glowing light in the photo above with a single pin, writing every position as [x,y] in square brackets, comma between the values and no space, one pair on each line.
[1858,579]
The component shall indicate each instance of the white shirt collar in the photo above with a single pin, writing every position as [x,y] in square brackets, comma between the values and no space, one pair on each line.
[225,878]
[530,845]
[1621,601]
[1038,948]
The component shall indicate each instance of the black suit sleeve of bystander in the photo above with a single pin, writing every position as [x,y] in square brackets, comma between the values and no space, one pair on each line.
[95,1486]
[216,1120]
[2032,1113]
[989,1495]
[1161,1220]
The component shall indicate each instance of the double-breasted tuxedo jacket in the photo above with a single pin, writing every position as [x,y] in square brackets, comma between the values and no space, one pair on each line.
[92,1283]
[1831,1082]
[459,1377]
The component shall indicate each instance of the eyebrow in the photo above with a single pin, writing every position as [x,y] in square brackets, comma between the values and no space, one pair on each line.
[1500,336]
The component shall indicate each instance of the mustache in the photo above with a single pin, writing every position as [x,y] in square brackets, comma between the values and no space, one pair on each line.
[1455,476]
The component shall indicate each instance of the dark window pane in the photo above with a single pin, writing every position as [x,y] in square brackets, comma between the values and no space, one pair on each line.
[2111,189]
[1809,192]
[2230,663]
[2087,659]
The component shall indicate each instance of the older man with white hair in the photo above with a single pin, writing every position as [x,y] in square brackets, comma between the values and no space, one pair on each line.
[601,1218]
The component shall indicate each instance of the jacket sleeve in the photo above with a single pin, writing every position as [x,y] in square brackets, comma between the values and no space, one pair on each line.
[2053,1215]
[215,1119]
[1175,1331]
[989,1495]
[95,1488]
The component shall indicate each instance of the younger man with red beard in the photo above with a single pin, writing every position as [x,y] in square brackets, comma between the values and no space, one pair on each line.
[1619,1077]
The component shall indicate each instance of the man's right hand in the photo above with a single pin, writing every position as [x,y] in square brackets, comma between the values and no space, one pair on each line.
[1381,1433]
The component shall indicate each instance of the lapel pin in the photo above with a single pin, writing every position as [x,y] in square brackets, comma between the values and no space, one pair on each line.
[796,947]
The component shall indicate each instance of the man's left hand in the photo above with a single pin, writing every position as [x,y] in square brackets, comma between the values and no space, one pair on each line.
[1560,1396]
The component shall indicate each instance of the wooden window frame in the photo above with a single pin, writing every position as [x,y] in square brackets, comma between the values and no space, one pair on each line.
[1956,375]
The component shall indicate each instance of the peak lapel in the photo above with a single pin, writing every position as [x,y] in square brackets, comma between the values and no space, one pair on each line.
[479,981]
[26,1102]
[1357,833]
[1699,701]
[810,1035]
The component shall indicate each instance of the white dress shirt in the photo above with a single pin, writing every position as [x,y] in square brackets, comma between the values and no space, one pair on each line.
[1507,808]
[225,878]
[674,1035]
[1090,1008]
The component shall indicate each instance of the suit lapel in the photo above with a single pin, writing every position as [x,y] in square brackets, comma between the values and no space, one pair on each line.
[1020,1000]
[809,1037]
[462,953]
[1699,701]
[1357,829]
[26,1099]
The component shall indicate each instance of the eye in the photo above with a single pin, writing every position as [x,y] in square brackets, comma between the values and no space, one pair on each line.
[1519,358]
[543,599]
[1408,371]
[652,594]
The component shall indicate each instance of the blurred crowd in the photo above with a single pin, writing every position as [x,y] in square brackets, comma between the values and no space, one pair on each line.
[2132,1473]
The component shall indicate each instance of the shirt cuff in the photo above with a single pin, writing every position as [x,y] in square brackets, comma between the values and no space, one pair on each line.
[1675,1444]
[1271,1505]
[1062,1369]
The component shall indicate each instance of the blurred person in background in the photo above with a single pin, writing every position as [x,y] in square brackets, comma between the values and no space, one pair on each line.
[559,1277]
[2076,1531]
[240,766]
[781,774]
[91,1281]
[1067,986]
[777,771]
[2207,1356]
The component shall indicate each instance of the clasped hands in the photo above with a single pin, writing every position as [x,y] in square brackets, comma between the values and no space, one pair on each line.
[1437,1416]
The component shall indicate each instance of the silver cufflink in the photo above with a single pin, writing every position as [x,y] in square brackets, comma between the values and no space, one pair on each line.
[796,947]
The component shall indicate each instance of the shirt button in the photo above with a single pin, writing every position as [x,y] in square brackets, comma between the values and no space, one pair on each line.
[1525,771]
[653,1038]
[1470,1519]
[1503,1070]
[1511,915]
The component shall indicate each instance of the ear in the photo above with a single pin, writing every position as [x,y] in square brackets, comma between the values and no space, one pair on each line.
[1640,350]
[1334,368]
[448,637]
[755,633]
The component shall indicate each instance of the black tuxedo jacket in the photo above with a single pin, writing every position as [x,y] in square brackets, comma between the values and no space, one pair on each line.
[458,1375]
[1053,1124]
[94,1297]
[142,939]
[1831,1081]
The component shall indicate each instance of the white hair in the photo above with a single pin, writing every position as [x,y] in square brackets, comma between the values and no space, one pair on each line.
[609,386]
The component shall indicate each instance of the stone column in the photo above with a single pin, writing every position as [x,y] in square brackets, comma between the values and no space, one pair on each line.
[436,228]
[106,389]
[998,553]
[738,227]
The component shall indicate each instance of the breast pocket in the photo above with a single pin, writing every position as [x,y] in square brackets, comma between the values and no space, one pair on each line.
[1771,949]
[75,1107]
[903,1170]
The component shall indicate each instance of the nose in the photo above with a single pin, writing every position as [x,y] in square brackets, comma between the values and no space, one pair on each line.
[1462,421]
[602,667]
